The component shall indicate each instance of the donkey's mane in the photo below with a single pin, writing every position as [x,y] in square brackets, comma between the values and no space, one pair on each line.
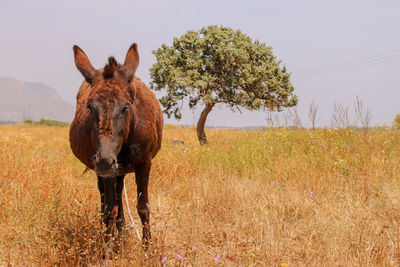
[110,68]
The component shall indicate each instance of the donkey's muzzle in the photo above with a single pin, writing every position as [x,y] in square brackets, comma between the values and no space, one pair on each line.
[105,166]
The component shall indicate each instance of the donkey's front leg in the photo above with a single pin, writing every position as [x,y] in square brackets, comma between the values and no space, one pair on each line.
[142,172]
[110,205]
[120,216]
[101,190]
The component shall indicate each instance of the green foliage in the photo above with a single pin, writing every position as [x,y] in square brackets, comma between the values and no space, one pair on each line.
[396,123]
[45,122]
[220,65]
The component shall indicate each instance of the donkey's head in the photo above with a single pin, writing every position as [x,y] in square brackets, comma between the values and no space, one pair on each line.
[110,103]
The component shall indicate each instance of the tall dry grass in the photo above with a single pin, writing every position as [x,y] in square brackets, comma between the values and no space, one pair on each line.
[304,198]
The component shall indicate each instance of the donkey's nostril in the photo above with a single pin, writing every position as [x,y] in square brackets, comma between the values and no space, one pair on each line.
[97,159]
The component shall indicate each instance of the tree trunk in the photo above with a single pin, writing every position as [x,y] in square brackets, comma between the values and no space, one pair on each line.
[201,123]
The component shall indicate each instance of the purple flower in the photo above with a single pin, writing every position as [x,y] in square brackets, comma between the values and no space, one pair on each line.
[181,256]
[164,260]
[70,203]
[11,184]
[217,258]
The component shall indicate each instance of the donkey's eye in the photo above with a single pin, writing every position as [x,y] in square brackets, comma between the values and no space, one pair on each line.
[125,109]
[90,107]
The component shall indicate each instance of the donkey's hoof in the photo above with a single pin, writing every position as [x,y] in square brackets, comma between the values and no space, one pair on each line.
[106,263]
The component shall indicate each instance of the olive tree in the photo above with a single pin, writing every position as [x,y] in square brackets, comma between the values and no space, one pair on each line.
[219,65]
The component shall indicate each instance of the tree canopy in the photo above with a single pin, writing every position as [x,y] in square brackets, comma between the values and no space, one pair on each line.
[220,65]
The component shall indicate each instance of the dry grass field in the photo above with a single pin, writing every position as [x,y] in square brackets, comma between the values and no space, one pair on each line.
[249,198]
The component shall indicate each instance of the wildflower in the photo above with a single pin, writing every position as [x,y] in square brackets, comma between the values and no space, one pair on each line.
[217,258]
[164,260]
[181,256]
[11,184]
[70,203]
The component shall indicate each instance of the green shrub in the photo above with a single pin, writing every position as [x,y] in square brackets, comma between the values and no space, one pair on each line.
[45,122]
[396,123]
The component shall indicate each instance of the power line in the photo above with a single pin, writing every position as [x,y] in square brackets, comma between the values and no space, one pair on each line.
[350,61]
[351,64]
[345,68]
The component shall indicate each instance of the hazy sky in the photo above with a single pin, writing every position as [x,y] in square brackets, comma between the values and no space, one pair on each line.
[37,39]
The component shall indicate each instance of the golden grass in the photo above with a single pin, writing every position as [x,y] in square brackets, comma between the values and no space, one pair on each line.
[304,198]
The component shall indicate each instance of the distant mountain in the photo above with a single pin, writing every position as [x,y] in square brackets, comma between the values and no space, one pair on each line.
[34,101]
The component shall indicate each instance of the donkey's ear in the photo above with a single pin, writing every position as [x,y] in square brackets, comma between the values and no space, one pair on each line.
[83,64]
[131,62]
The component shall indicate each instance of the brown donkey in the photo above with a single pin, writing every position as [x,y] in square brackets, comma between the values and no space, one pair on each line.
[117,129]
